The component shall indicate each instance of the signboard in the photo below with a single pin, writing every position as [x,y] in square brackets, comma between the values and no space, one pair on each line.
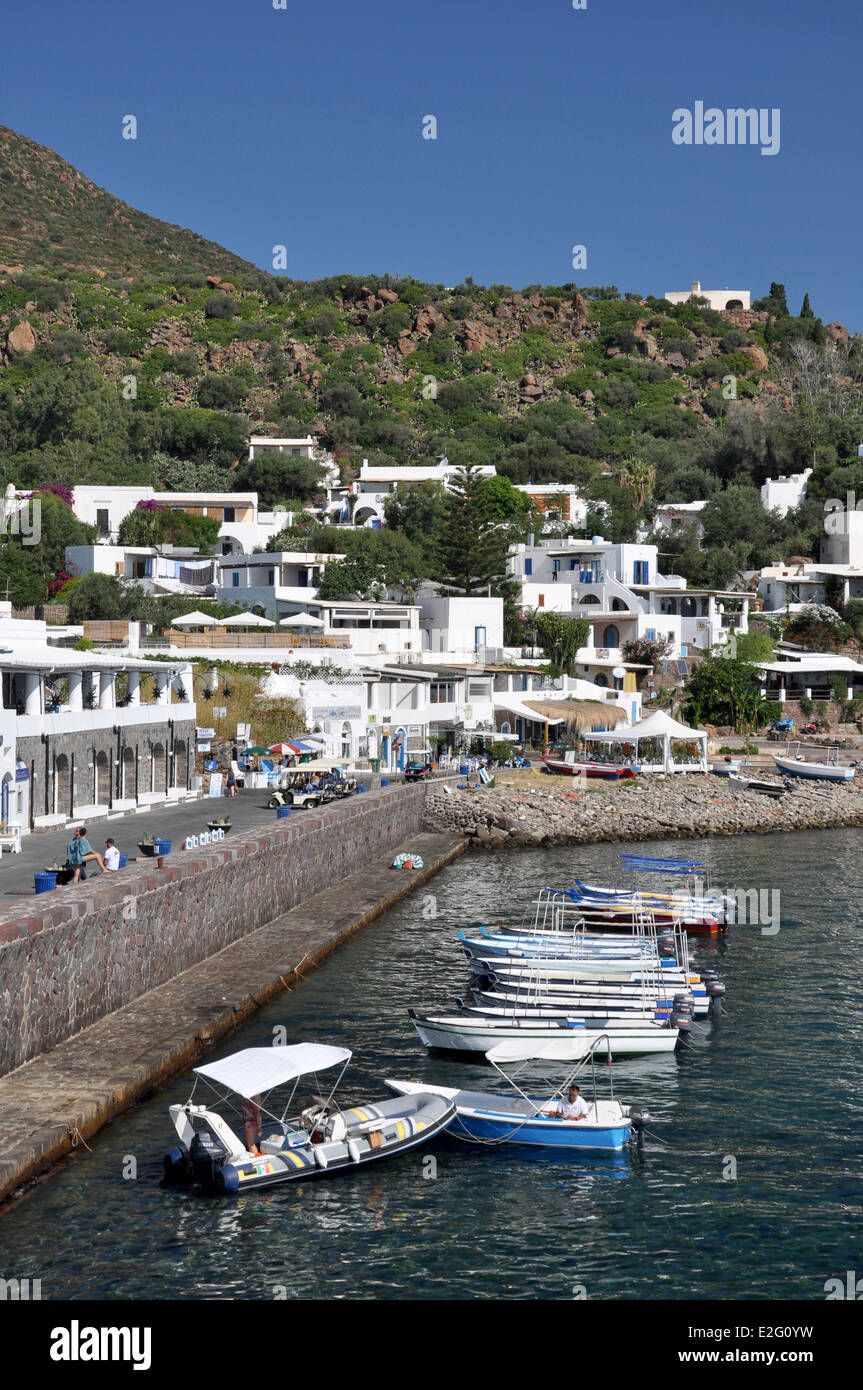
[602,653]
[321,712]
[205,733]
[204,747]
[220,711]
[414,730]
[22,774]
[215,784]
[211,765]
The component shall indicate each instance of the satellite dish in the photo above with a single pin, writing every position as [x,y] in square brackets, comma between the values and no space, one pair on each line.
[619,672]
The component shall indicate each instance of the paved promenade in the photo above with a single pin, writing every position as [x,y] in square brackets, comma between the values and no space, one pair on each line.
[248,810]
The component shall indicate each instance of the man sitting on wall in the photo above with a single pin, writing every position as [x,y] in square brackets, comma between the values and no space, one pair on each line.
[79,850]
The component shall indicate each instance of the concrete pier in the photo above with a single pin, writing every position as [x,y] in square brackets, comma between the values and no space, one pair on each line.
[53,1103]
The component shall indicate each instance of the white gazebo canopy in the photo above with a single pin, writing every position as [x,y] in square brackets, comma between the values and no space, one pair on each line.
[659,728]
[194,620]
[246,620]
[301,620]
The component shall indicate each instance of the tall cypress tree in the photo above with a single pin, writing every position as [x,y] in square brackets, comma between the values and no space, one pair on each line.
[806,311]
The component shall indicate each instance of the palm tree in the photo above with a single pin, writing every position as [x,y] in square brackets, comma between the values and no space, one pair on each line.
[638,477]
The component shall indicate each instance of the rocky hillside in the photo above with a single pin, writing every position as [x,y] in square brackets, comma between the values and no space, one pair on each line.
[131,350]
[52,216]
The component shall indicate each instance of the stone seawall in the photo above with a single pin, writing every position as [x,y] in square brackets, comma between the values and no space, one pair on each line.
[91,950]
[537,810]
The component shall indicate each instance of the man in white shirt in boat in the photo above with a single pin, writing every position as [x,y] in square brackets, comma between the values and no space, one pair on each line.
[572,1108]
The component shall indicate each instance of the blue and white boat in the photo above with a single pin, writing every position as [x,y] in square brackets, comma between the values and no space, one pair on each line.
[489,1118]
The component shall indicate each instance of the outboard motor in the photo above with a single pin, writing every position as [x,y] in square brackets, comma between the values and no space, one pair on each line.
[178,1167]
[666,944]
[682,1022]
[638,1118]
[207,1156]
[683,1004]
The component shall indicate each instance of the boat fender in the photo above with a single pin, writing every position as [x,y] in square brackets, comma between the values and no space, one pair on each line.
[354,1150]
[228,1179]
[320,1157]
[177,1166]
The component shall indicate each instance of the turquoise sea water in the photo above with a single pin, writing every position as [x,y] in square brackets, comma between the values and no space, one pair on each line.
[773,1089]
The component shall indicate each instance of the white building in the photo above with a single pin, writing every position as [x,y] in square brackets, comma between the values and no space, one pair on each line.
[784,494]
[75,748]
[560,498]
[717,299]
[279,581]
[618,590]
[369,492]
[461,627]
[261,444]
[242,527]
[795,675]
[671,514]
[788,588]
[160,570]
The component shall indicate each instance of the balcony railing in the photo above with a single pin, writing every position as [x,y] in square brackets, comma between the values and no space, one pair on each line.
[237,640]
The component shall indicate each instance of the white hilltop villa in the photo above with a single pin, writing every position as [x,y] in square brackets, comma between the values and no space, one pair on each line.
[717,299]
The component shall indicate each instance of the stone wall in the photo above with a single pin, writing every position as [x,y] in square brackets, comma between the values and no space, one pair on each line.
[92,951]
[62,772]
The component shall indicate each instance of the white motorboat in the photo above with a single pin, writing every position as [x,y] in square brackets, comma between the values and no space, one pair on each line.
[472,1033]
[793,764]
[319,1141]
[588,1000]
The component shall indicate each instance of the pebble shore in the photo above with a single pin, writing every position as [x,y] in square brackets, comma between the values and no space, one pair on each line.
[542,810]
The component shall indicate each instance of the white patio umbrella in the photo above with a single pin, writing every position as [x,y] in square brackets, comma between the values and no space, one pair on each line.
[246,620]
[194,620]
[301,620]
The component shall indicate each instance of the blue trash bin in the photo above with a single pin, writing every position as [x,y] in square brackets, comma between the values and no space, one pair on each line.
[124,859]
[282,811]
[361,786]
[385,781]
[464,769]
[45,882]
[162,847]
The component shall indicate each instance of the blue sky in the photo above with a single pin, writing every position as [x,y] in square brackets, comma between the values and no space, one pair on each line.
[303,127]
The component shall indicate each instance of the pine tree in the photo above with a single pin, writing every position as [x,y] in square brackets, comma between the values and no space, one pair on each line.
[472,547]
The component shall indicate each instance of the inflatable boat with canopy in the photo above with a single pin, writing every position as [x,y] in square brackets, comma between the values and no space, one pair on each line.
[318,1141]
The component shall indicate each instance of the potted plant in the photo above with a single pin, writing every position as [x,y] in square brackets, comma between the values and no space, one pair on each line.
[147,845]
[220,823]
